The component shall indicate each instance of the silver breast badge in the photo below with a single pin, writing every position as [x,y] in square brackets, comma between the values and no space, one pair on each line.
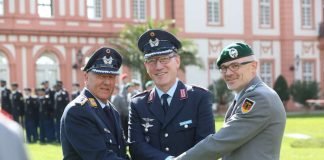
[147,124]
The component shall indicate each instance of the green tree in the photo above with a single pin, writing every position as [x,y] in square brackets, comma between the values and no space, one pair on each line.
[281,87]
[303,90]
[126,43]
[221,94]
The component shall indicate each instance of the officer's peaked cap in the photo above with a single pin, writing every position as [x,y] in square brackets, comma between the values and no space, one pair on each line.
[157,42]
[234,51]
[104,61]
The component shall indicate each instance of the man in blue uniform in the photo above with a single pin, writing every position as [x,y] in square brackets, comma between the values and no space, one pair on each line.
[46,117]
[254,123]
[173,116]
[90,125]
[61,99]
[5,97]
[17,103]
[76,90]
[48,91]
[31,116]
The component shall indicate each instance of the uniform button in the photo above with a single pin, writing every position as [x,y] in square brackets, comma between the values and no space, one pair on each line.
[186,126]
[110,141]
[119,146]
[166,135]
[167,149]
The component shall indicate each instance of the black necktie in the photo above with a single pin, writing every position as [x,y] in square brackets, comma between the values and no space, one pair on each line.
[165,104]
[233,108]
[111,121]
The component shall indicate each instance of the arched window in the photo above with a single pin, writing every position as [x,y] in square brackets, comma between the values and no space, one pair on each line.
[4,68]
[47,69]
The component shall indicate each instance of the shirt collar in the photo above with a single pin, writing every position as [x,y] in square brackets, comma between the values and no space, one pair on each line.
[170,92]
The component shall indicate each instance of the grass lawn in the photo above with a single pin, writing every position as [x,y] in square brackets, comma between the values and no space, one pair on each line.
[45,151]
[304,126]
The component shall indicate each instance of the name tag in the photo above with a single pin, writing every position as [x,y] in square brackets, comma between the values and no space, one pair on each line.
[185,122]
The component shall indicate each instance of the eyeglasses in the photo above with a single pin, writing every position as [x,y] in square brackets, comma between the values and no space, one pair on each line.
[232,66]
[162,60]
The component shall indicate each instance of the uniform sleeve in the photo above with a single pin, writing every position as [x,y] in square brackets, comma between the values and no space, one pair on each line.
[240,128]
[81,131]
[206,122]
[139,148]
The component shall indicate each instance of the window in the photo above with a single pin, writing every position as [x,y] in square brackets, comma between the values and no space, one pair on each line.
[1,8]
[306,9]
[212,64]
[213,12]
[4,71]
[265,13]
[266,73]
[94,9]
[45,8]
[139,7]
[308,71]
[46,69]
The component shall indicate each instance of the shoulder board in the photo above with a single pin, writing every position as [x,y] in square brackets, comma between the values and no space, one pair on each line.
[81,100]
[142,93]
[199,87]
[251,88]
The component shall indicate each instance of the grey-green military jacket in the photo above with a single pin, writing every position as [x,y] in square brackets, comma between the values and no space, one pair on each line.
[253,128]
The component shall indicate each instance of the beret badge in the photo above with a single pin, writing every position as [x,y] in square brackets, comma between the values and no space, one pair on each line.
[233,53]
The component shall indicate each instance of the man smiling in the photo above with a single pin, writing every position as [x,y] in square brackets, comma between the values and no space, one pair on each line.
[254,123]
[90,125]
[172,117]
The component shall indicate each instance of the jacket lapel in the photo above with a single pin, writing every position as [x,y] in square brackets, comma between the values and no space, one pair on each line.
[155,106]
[229,111]
[97,109]
[177,103]
[117,124]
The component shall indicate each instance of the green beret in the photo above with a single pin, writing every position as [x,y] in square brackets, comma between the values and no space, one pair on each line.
[234,51]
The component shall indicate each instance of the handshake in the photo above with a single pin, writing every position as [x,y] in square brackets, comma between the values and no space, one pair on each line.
[180,157]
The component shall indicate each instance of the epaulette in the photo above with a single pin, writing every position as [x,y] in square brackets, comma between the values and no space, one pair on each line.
[200,87]
[251,88]
[142,93]
[81,100]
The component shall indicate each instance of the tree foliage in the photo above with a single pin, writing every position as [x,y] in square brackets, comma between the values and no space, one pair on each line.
[282,89]
[126,43]
[221,94]
[303,90]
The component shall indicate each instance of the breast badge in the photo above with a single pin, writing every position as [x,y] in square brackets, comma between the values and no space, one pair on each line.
[147,124]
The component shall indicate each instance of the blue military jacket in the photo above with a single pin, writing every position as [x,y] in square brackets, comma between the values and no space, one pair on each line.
[85,133]
[5,100]
[31,108]
[61,99]
[156,136]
